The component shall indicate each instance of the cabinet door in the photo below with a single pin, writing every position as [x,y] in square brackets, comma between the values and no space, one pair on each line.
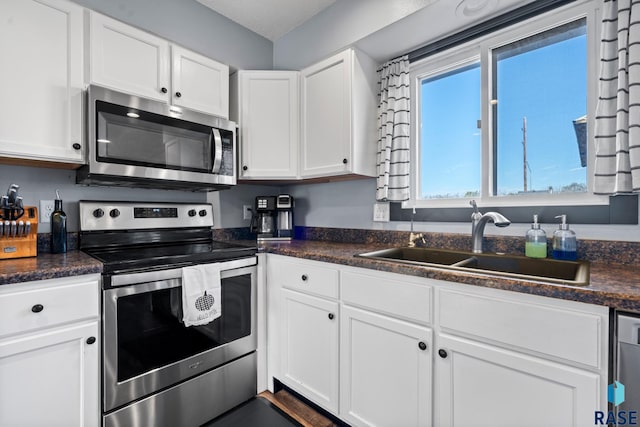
[199,83]
[385,370]
[269,117]
[41,108]
[326,116]
[479,383]
[50,379]
[310,347]
[128,59]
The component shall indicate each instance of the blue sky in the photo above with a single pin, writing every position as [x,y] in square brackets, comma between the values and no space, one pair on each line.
[545,85]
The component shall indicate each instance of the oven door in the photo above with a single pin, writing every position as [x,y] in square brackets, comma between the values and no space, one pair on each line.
[147,347]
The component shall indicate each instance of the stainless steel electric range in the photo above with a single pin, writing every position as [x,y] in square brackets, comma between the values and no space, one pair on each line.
[155,371]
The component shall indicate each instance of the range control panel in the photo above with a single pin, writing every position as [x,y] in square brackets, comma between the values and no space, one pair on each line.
[108,215]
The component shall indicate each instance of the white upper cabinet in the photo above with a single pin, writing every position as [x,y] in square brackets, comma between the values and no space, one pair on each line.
[268,116]
[42,74]
[199,83]
[128,59]
[338,97]
[133,61]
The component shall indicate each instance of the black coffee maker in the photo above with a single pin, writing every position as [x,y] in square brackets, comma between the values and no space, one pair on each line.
[263,221]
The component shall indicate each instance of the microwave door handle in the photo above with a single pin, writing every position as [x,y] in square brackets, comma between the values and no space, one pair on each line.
[217,157]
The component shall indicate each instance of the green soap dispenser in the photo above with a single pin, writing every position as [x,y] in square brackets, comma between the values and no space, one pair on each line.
[58,227]
[535,245]
[565,244]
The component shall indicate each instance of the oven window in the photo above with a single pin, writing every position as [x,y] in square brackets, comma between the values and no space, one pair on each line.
[135,137]
[151,333]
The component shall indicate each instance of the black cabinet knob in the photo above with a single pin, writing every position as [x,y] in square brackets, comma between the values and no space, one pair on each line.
[345,161]
[91,340]
[422,345]
[192,212]
[304,277]
[203,212]
[76,146]
[98,213]
[331,316]
[442,353]
[114,213]
[164,90]
[244,168]
[178,94]
[37,308]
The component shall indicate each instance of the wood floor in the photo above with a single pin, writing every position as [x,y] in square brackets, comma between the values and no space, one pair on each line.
[297,410]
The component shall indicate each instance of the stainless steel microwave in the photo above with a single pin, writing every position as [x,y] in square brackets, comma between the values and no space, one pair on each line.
[137,142]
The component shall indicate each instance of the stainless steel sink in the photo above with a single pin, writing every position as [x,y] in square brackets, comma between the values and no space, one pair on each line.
[519,267]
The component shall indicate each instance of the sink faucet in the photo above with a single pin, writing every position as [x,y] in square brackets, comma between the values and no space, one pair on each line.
[478,222]
[413,237]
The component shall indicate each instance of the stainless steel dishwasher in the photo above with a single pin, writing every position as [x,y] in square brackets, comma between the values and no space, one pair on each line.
[628,371]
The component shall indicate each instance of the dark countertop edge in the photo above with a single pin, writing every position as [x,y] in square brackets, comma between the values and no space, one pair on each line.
[47,266]
[597,293]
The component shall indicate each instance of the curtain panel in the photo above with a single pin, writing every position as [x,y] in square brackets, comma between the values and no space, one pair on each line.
[617,123]
[393,131]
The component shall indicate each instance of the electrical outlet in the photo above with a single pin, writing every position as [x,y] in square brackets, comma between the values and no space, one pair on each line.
[381,212]
[246,212]
[46,209]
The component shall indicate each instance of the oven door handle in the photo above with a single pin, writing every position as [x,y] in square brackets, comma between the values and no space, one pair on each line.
[217,155]
[174,273]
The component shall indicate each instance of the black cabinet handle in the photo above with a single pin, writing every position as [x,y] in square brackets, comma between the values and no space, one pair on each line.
[442,353]
[91,340]
[37,308]
[331,316]
[345,161]
[178,94]
[164,90]
[304,277]
[244,168]
[76,146]
[422,345]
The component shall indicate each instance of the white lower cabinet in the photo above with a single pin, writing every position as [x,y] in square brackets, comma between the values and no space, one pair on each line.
[420,352]
[484,385]
[50,353]
[310,347]
[385,370]
[50,379]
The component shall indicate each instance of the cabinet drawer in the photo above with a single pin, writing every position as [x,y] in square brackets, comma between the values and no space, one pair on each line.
[304,276]
[548,330]
[35,307]
[387,294]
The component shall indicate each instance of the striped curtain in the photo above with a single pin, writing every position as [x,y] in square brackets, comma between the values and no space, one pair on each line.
[617,125]
[393,131]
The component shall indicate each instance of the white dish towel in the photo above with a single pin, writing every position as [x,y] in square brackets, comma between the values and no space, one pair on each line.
[201,298]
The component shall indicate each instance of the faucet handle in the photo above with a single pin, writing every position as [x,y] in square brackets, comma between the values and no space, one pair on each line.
[476,213]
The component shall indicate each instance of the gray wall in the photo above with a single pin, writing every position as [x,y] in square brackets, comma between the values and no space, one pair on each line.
[194,26]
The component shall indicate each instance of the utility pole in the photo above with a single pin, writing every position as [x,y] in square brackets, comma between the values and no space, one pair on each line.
[524,151]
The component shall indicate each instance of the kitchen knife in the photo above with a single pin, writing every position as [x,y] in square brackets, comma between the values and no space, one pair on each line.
[20,228]
[27,228]
[14,228]
[7,228]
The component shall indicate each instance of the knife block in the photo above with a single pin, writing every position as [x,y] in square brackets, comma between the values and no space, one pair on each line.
[25,246]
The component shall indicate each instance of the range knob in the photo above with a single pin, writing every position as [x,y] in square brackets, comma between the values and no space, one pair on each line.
[203,212]
[192,212]
[98,213]
[114,213]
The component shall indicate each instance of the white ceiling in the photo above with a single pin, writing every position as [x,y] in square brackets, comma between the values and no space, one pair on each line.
[269,18]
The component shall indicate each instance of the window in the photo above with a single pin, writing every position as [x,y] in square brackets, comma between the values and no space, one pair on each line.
[504,120]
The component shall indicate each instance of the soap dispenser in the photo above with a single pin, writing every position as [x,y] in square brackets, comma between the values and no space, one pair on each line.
[564,242]
[535,245]
[58,227]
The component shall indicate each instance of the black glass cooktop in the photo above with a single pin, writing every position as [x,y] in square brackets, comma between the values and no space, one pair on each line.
[145,257]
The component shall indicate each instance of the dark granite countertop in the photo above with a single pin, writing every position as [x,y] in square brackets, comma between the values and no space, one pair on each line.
[612,285]
[47,266]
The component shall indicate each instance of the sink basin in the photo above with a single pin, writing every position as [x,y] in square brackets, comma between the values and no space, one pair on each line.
[519,267]
[418,256]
